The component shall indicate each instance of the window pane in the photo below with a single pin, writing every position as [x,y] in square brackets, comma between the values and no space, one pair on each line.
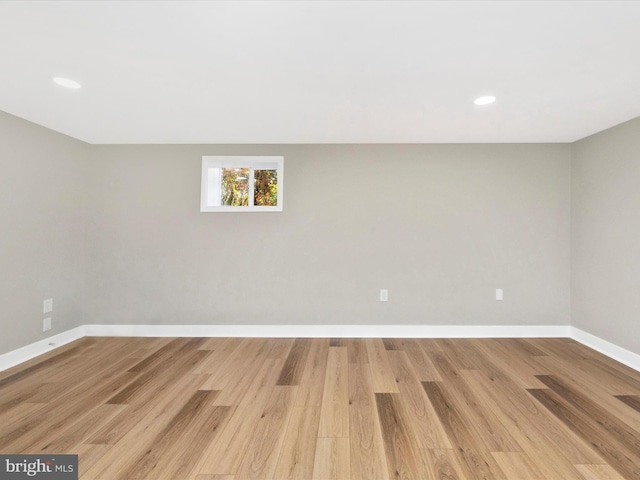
[213,187]
[235,187]
[265,188]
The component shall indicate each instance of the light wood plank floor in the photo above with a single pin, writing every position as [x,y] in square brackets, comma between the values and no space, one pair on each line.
[325,409]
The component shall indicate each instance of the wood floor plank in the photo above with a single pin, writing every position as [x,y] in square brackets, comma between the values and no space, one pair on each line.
[293,367]
[215,477]
[121,424]
[525,347]
[237,360]
[456,354]
[404,457]
[145,464]
[631,400]
[422,364]
[75,432]
[331,459]
[383,379]
[181,458]
[311,385]
[391,344]
[154,374]
[88,455]
[334,413]
[476,412]
[617,430]
[600,389]
[626,462]
[299,445]
[51,392]
[543,437]
[54,393]
[278,348]
[367,457]
[236,386]
[151,344]
[161,355]
[212,344]
[444,465]
[143,427]
[509,353]
[144,399]
[22,417]
[523,414]
[560,348]
[260,459]
[20,397]
[57,414]
[424,421]
[476,459]
[518,465]
[225,453]
[92,360]
[626,378]
[357,349]
[522,372]
[429,345]
[599,472]
[220,352]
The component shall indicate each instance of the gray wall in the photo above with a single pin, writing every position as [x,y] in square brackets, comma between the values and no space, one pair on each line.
[115,236]
[606,235]
[42,221]
[440,226]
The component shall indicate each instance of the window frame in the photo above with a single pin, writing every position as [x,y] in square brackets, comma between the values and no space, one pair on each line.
[227,161]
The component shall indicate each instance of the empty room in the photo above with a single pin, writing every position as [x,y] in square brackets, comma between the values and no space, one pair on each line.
[320,240]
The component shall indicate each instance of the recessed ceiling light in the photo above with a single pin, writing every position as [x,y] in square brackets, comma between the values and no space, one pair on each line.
[65,82]
[486,100]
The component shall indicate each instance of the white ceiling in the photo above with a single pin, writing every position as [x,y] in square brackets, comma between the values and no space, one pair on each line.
[321,71]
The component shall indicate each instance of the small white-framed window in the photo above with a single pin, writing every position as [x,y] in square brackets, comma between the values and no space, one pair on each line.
[242,184]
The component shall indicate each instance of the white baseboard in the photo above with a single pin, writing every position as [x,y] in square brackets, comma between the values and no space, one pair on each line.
[28,352]
[337,331]
[20,355]
[609,349]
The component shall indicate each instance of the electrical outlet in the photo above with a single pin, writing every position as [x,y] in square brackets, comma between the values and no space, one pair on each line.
[47,305]
[46,324]
[384,295]
[499,294]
